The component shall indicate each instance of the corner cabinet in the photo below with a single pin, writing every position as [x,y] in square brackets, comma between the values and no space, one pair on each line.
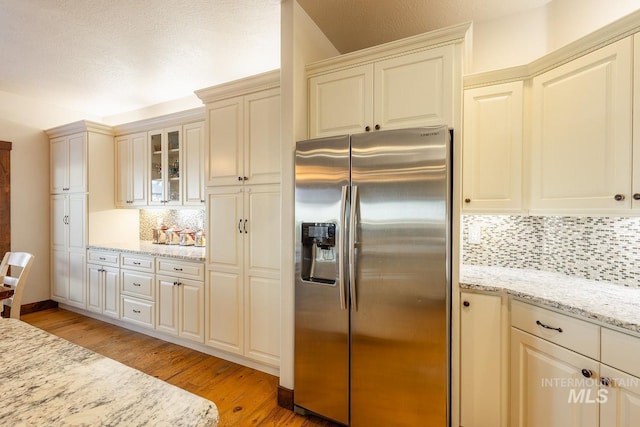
[581,147]
[492,148]
[386,90]
[82,188]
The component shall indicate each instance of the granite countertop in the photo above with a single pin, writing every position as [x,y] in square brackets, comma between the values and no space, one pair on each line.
[47,380]
[144,247]
[604,302]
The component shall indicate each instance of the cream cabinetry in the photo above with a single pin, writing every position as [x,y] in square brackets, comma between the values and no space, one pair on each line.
[244,136]
[131,170]
[387,90]
[193,154]
[492,148]
[581,124]
[69,163]
[137,289]
[180,298]
[82,178]
[483,360]
[103,283]
[243,283]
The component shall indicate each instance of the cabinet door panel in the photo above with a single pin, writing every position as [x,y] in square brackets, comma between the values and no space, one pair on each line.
[167,304]
[111,292]
[548,388]
[262,137]
[60,275]
[138,169]
[620,405]
[226,228]
[262,250]
[581,132]
[341,102]
[59,225]
[76,222]
[492,148]
[123,171]
[193,170]
[263,320]
[415,89]
[192,310]
[77,268]
[224,311]
[224,150]
[94,288]
[77,163]
[59,164]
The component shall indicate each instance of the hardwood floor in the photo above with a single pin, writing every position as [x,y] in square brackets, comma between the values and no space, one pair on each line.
[244,397]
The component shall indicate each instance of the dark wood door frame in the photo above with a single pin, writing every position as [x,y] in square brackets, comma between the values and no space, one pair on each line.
[5,197]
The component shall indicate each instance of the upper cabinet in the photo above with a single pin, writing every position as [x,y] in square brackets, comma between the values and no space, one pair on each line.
[581,132]
[492,148]
[243,125]
[164,166]
[69,163]
[131,167]
[384,90]
[160,162]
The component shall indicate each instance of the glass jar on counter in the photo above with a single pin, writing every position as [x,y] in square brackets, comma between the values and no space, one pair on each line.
[187,237]
[200,240]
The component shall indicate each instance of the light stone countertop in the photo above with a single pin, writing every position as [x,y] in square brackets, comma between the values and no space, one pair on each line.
[48,381]
[144,247]
[604,302]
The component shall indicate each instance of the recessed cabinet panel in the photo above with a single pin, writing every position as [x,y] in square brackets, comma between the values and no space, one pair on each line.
[263,320]
[193,170]
[227,224]
[224,311]
[341,102]
[581,132]
[262,137]
[225,155]
[263,245]
[492,148]
[414,90]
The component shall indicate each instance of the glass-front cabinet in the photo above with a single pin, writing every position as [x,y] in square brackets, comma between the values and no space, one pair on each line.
[166,160]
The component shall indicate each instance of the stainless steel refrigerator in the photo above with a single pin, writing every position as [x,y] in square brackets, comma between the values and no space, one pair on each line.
[372,291]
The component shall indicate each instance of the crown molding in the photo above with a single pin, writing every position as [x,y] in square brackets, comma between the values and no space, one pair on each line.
[173,119]
[259,82]
[79,126]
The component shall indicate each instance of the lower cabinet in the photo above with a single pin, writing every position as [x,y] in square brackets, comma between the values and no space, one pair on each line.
[137,290]
[483,357]
[103,283]
[180,299]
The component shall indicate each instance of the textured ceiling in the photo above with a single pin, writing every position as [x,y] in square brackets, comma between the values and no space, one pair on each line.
[106,57]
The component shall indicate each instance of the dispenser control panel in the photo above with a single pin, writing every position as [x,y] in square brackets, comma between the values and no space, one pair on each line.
[319,261]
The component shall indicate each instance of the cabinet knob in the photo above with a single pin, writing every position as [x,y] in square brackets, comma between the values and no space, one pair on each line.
[636,196]
[587,373]
[619,197]
[467,200]
[244,178]
[607,382]
[239,178]
[377,127]
[367,128]
[466,303]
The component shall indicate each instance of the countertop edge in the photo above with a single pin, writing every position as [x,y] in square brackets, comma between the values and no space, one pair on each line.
[186,253]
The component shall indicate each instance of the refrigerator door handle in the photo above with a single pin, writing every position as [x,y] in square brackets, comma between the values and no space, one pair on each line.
[341,247]
[352,247]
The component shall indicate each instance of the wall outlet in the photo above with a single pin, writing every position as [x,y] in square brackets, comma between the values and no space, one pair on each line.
[475,234]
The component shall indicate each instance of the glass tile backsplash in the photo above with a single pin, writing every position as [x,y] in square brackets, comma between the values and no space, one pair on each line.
[597,248]
[183,218]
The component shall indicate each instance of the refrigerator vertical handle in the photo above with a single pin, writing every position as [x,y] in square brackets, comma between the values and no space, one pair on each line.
[341,248]
[352,247]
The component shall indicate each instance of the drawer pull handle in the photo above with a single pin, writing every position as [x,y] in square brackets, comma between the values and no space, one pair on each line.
[136,262]
[102,258]
[539,323]
[135,284]
[136,311]
[587,373]
[177,269]
[607,382]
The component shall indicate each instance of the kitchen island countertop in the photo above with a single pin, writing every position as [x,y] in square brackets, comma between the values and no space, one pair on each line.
[604,302]
[144,247]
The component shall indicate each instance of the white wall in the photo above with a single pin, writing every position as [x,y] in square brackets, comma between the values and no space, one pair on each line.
[302,43]
[524,37]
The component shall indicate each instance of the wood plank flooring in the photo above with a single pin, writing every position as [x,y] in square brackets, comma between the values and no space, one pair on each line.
[244,397]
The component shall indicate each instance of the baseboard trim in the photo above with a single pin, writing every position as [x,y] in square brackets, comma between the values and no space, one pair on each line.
[30,308]
[285,398]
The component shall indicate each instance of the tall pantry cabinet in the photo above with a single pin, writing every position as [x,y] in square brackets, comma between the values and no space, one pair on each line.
[77,197]
[243,208]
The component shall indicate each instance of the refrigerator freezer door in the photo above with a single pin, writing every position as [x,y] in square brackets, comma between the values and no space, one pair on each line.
[399,327]
[321,372]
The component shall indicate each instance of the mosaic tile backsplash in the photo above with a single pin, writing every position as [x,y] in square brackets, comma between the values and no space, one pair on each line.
[596,248]
[183,218]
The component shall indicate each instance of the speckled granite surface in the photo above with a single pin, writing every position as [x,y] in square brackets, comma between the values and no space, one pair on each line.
[48,381]
[615,305]
[190,253]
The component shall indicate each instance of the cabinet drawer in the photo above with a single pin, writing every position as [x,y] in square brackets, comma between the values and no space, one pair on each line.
[620,351]
[184,269]
[574,334]
[137,284]
[138,311]
[103,257]
[136,262]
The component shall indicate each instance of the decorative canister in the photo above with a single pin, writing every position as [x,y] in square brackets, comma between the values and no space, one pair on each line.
[173,236]
[159,234]
[200,239]
[187,237]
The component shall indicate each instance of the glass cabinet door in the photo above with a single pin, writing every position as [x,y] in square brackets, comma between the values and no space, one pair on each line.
[165,167]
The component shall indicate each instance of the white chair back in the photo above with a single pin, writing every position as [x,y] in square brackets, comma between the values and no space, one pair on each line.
[14,270]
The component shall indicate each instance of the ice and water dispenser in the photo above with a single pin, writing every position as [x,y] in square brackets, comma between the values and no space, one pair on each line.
[319,252]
